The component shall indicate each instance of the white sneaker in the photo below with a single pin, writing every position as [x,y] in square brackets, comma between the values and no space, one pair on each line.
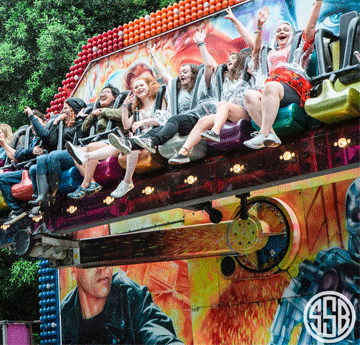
[272,140]
[122,189]
[257,142]
[77,154]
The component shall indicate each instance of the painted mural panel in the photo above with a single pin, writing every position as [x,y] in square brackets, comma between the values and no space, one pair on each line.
[265,308]
[209,301]
[178,47]
[138,304]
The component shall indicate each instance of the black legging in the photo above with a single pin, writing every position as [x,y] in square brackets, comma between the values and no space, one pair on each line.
[182,124]
[290,96]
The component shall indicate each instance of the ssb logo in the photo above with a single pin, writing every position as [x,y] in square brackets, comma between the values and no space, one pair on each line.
[329,317]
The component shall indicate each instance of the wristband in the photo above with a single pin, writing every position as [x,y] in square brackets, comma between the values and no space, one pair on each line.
[201,44]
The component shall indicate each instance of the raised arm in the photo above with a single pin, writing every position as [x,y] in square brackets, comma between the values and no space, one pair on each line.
[209,61]
[243,31]
[160,68]
[39,129]
[261,19]
[126,120]
[314,16]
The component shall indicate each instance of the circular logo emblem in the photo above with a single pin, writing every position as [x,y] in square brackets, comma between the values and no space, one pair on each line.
[329,317]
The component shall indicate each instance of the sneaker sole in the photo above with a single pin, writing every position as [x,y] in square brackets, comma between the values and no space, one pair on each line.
[97,189]
[92,191]
[113,140]
[209,138]
[176,161]
[76,198]
[14,220]
[253,147]
[115,196]
[142,144]
[71,152]
[271,143]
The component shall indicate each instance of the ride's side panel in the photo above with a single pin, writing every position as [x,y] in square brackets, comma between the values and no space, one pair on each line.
[233,299]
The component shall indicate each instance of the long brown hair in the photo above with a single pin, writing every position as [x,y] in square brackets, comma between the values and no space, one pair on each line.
[235,72]
[194,72]
[70,119]
[153,89]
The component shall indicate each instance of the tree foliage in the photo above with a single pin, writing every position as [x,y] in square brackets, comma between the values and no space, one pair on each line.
[39,40]
[19,287]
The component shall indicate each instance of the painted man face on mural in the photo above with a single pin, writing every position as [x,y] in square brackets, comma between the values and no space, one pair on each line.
[94,283]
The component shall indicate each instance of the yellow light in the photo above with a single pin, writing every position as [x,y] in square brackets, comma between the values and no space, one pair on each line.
[37,219]
[108,200]
[148,190]
[72,209]
[5,227]
[287,155]
[191,179]
[342,142]
[237,168]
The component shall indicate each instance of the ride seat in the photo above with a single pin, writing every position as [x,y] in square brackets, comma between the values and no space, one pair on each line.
[339,99]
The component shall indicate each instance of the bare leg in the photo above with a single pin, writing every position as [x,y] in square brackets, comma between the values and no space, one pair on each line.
[264,111]
[253,105]
[126,184]
[103,153]
[194,137]
[131,161]
[270,103]
[228,111]
[81,168]
[90,166]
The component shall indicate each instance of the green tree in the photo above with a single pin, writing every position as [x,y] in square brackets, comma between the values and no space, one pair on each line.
[39,40]
[19,287]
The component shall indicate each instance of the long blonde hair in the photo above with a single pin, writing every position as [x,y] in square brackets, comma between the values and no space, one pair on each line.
[6,129]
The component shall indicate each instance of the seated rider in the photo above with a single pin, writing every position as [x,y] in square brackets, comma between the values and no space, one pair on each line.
[49,166]
[231,107]
[101,117]
[143,103]
[185,87]
[184,122]
[287,83]
[8,179]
